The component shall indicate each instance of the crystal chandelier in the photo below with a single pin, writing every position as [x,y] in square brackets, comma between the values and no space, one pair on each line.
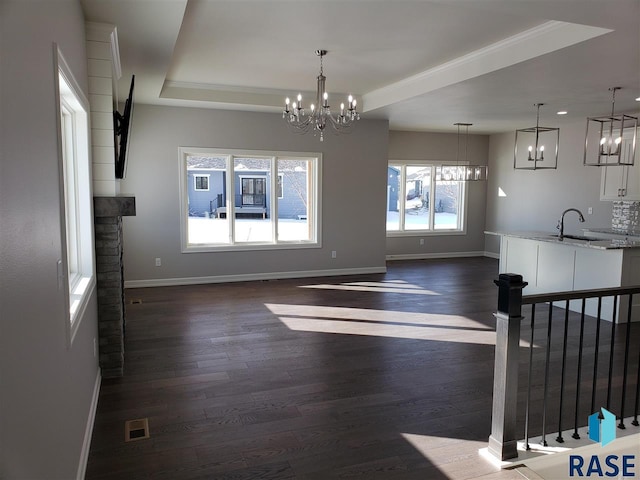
[461,172]
[610,140]
[533,143]
[320,115]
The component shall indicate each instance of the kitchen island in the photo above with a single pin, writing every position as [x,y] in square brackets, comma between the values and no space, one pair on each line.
[553,264]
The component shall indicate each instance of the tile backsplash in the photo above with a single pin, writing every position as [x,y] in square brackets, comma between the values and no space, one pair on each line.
[625,216]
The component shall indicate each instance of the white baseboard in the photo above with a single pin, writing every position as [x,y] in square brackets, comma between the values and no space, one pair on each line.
[492,255]
[86,444]
[248,277]
[426,256]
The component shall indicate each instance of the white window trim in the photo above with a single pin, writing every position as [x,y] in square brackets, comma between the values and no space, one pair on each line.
[195,182]
[403,164]
[315,216]
[77,265]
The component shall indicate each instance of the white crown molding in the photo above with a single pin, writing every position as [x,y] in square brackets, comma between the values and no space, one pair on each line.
[238,95]
[540,40]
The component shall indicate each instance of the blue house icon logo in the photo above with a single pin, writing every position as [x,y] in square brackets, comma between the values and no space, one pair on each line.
[602,428]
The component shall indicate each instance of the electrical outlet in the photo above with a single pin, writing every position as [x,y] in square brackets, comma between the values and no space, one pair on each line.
[590,211]
[158,262]
[422,241]
[334,254]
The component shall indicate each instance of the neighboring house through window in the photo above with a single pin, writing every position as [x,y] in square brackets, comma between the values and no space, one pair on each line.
[254,199]
[418,203]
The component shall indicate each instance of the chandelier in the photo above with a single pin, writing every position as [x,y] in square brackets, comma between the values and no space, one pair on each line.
[533,143]
[461,172]
[319,116]
[610,140]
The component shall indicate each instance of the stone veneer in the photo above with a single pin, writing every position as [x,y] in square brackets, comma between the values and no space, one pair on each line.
[625,217]
[108,213]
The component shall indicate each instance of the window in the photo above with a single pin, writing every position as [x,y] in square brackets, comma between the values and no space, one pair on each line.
[280,185]
[201,182]
[76,185]
[254,190]
[417,203]
[254,200]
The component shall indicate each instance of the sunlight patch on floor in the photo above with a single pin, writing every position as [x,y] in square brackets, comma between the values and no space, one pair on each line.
[382,323]
[451,455]
[551,462]
[556,467]
[389,286]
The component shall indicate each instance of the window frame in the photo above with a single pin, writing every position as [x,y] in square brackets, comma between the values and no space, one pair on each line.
[315,193]
[402,165]
[77,263]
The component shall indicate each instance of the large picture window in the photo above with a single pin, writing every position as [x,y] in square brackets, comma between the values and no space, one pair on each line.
[253,199]
[417,203]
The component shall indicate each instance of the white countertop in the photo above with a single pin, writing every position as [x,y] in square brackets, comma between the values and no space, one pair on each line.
[625,242]
[611,231]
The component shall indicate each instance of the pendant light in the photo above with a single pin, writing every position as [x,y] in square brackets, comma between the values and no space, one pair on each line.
[461,172]
[610,140]
[536,148]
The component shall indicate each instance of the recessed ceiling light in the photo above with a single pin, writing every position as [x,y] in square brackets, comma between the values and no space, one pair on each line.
[562,112]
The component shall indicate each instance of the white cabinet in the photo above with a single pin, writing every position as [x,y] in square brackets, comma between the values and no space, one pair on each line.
[553,267]
[621,182]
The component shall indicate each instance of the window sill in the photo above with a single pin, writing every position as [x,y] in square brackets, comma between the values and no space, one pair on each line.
[425,233]
[78,301]
[250,247]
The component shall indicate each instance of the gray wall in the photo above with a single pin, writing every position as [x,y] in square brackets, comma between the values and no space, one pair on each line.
[438,147]
[353,199]
[536,199]
[45,387]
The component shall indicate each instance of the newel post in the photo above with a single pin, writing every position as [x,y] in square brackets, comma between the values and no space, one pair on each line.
[503,441]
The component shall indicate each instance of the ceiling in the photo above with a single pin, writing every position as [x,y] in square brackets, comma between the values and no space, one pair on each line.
[422,64]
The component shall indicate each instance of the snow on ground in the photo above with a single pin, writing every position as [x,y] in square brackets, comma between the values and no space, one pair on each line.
[216,230]
[444,221]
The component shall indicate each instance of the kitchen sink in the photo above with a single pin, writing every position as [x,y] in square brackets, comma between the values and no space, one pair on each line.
[576,237]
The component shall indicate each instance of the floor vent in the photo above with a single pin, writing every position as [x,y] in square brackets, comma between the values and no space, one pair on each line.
[136,429]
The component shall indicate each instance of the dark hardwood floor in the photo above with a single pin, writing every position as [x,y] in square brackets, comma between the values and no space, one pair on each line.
[377,376]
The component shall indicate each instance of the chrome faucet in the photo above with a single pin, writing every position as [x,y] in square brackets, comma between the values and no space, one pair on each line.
[560,225]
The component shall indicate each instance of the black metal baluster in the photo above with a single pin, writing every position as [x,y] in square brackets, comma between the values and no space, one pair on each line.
[575,434]
[546,377]
[637,403]
[613,342]
[526,419]
[595,354]
[559,438]
[626,362]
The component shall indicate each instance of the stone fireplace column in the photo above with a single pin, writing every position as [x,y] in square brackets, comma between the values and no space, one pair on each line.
[108,213]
